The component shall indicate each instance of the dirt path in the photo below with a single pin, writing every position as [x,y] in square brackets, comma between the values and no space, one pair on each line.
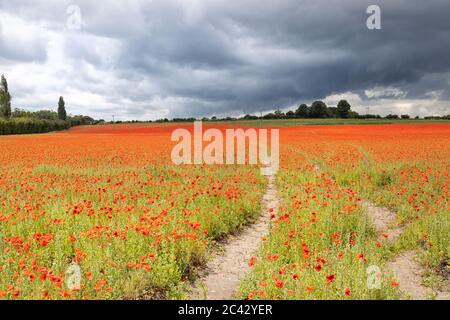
[405,267]
[382,218]
[408,273]
[221,278]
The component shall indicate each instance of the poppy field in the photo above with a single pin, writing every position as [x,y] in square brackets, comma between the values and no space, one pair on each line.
[322,244]
[109,200]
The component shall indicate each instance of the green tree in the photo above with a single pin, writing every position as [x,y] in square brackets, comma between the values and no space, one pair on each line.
[279,114]
[332,112]
[62,114]
[302,111]
[5,99]
[290,114]
[318,109]
[392,116]
[343,109]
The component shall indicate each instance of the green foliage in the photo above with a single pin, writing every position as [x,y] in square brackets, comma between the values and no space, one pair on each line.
[343,109]
[332,112]
[62,114]
[290,114]
[318,110]
[41,114]
[30,125]
[383,179]
[5,99]
[279,114]
[392,116]
[80,120]
[302,111]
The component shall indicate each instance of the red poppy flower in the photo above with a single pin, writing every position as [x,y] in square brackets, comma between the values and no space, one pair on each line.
[252,261]
[331,278]
[279,283]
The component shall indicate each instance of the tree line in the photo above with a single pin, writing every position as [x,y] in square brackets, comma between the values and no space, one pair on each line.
[19,121]
[317,110]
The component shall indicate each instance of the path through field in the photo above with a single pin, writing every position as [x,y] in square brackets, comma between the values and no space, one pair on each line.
[222,276]
[382,218]
[405,267]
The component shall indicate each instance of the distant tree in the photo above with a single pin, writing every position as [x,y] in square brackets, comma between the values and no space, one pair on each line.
[81,120]
[62,114]
[250,117]
[318,110]
[302,111]
[20,113]
[279,114]
[405,116]
[343,109]
[353,114]
[290,114]
[5,99]
[392,116]
[269,116]
[41,114]
[45,114]
[332,112]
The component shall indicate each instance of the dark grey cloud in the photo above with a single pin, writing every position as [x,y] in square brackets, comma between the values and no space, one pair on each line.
[193,58]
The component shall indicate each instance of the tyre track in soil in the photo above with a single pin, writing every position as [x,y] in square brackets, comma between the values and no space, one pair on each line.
[221,277]
[405,267]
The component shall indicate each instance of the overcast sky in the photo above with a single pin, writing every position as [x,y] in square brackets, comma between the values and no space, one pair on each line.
[138,59]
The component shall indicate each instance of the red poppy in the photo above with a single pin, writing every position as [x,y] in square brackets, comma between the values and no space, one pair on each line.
[279,283]
[330,278]
[360,256]
[395,284]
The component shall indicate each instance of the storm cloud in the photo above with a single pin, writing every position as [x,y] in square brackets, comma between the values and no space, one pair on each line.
[181,58]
